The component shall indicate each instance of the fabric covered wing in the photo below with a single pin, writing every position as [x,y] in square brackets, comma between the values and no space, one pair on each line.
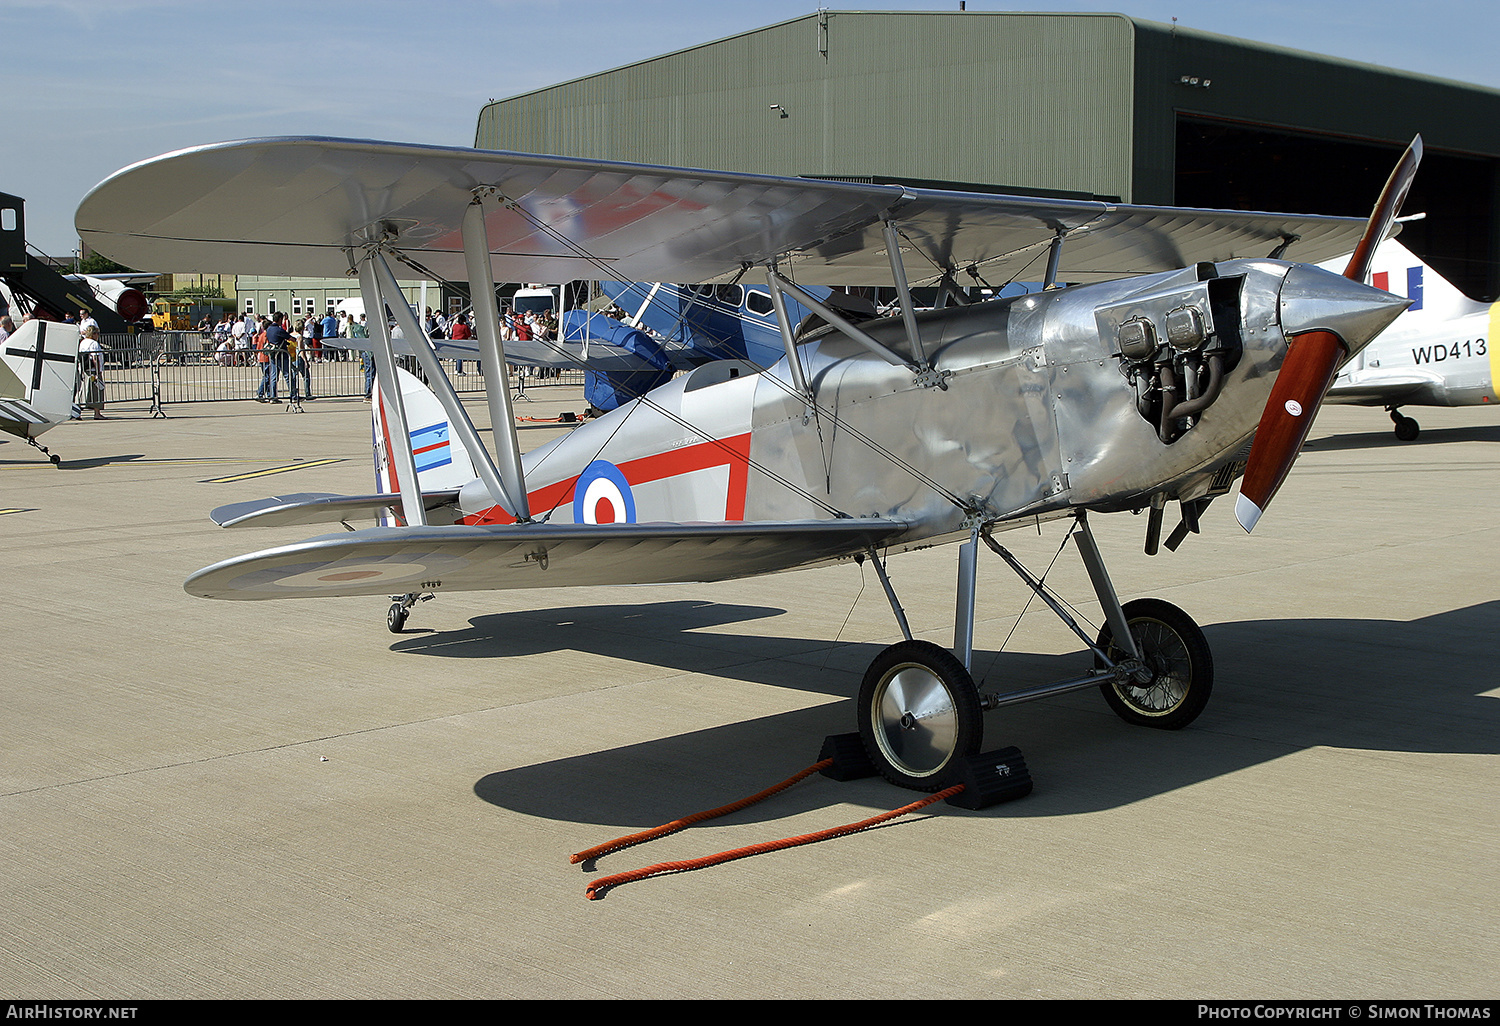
[300,206]
[386,561]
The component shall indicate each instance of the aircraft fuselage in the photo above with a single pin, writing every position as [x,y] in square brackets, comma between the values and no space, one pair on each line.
[1098,396]
[1450,363]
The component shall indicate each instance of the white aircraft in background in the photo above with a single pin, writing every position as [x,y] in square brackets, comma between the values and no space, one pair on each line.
[38,371]
[1439,352]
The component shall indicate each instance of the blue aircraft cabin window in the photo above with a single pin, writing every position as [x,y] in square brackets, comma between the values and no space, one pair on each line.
[758,302]
[729,295]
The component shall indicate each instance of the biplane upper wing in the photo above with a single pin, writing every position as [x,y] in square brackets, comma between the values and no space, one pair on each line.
[304,206]
[384,560]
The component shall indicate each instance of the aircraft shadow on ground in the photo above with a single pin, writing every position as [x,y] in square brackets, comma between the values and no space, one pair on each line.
[66,464]
[1375,439]
[1282,686]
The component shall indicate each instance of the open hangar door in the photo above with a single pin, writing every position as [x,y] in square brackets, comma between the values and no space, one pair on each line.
[1249,167]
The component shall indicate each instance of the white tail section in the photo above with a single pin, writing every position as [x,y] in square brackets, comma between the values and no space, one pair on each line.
[1399,271]
[442,461]
[39,374]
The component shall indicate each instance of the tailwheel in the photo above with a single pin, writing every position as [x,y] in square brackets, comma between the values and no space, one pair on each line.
[1407,429]
[919,715]
[1174,653]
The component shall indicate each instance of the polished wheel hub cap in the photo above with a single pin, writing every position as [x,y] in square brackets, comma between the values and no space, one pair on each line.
[918,721]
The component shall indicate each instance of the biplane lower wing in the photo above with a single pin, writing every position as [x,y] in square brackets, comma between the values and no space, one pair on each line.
[385,560]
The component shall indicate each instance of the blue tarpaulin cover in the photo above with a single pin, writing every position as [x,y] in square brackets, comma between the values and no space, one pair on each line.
[606,390]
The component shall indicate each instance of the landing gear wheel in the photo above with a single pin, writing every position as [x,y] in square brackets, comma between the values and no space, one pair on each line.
[395,617]
[919,715]
[1407,429]
[1174,649]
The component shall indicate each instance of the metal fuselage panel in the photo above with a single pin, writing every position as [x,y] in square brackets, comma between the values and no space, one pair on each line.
[678,454]
[882,444]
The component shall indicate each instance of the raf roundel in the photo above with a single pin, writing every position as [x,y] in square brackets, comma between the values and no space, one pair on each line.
[602,496]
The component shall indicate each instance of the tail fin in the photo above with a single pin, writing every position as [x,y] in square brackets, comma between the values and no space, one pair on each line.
[38,375]
[1398,270]
[442,461]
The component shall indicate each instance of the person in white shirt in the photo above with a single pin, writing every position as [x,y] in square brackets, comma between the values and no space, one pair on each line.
[91,372]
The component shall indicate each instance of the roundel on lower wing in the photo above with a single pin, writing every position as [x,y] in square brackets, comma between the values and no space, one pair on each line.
[602,496]
[353,573]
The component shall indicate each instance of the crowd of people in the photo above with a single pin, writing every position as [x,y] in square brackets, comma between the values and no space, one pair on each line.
[284,347]
[236,336]
[287,350]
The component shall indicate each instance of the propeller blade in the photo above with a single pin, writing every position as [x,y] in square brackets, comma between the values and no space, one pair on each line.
[1386,209]
[1311,362]
[1313,358]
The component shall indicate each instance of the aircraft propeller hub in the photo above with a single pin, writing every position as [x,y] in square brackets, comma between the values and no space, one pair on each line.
[1315,299]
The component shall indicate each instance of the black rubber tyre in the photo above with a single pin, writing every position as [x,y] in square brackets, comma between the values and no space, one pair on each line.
[1173,647]
[919,715]
[1407,429]
[395,618]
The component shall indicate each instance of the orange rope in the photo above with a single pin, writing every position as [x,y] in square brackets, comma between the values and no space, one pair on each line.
[622,843]
[598,887]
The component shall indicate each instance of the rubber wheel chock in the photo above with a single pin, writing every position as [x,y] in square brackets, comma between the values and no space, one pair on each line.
[850,761]
[991,778]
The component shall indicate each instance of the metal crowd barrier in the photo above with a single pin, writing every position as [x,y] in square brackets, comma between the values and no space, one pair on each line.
[185,367]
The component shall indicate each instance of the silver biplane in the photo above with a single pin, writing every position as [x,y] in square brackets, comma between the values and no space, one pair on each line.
[1183,337]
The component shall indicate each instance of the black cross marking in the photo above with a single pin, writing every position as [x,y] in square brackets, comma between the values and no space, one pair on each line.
[39,354]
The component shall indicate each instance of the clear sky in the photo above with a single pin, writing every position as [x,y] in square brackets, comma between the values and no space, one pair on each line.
[90,86]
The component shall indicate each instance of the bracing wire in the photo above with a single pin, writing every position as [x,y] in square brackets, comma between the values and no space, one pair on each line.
[644,399]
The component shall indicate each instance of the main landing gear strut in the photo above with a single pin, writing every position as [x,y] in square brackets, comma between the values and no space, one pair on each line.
[921,714]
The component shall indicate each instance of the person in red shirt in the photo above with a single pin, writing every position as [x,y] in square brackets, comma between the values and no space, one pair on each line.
[460,331]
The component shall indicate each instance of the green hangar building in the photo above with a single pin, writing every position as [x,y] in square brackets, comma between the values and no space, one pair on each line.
[1074,105]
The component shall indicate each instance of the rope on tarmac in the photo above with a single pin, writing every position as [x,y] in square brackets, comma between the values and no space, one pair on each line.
[597,889]
[621,843]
